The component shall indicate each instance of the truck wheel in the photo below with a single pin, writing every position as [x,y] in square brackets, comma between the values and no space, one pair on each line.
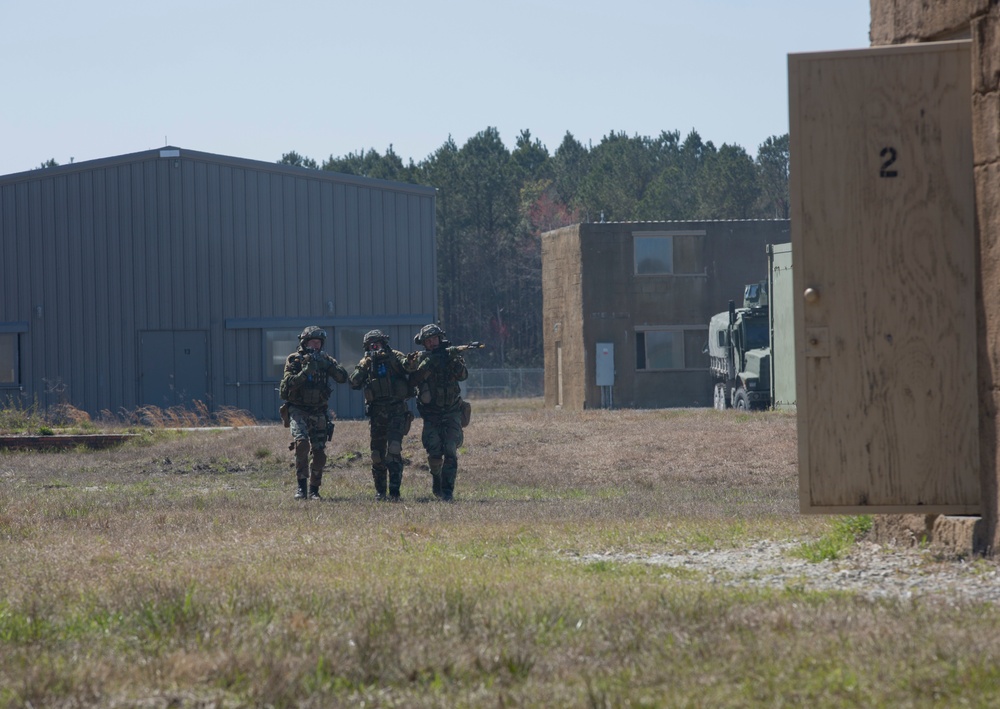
[720,397]
[741,402]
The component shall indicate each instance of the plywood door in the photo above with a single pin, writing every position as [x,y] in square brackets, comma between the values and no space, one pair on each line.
[884,278]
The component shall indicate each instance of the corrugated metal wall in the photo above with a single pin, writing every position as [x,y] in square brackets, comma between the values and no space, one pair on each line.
[96,253]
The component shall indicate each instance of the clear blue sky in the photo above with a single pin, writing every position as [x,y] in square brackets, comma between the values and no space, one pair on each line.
[257,79]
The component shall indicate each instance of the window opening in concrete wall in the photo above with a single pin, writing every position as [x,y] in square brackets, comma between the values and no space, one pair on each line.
[654,255]
[670,348]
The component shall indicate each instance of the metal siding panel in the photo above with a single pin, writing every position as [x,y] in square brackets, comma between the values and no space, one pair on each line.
[128,293]
[408,221]
[310,289]
[152,245]
[114,304]
[324,209]
[238,237]
[365,251]
[428,258]
[182,304]
[72,366]
[167,249]
[252,249]
[266,265]
[199,226]
[230,368]
[217,268]
[227,247]
[58,314]
[95,232]
[280,295]
[313,234]
[340,258]
[352,261]
[297,256]
[382,275]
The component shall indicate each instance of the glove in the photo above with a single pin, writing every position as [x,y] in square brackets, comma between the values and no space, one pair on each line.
[310,365]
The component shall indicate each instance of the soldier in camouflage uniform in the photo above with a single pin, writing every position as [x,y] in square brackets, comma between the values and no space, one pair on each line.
[306,387]
[436,372]
[382,375]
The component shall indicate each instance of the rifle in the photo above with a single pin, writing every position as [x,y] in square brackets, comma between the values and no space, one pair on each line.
[420,354]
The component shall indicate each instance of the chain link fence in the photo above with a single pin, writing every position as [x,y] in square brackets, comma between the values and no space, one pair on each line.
[504,383]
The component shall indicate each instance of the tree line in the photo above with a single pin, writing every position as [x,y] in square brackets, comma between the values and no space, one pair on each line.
[493,204]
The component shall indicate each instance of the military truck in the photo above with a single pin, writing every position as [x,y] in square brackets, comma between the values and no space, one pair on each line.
[739,350]
[751,349]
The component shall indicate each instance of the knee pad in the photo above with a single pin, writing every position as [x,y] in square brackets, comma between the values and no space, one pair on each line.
[319,458]
[376,457]
[395,447]
[301,447]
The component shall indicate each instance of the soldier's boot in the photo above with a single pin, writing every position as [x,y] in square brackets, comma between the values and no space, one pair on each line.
[395,481]
[435,466]
[316,474]
[314,482]
[448,474]
[379,475]
[302,493]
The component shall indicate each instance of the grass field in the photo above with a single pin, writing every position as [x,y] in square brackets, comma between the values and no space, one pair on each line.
[179,571]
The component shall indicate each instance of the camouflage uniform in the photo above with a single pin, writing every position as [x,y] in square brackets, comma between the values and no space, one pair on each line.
[386,385]
[306,387]
[436,374]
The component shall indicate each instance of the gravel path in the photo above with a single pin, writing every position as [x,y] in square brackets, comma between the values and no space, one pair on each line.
[871,570]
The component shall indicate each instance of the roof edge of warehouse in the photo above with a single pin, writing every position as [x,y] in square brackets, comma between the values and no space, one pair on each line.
[172,152]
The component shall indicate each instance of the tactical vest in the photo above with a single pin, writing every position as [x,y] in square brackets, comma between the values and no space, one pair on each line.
[386,379]
[440,389]
[313,392]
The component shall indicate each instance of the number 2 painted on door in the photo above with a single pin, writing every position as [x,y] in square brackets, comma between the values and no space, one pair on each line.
[884,171]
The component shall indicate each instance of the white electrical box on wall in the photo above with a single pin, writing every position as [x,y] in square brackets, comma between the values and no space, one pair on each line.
[605,364]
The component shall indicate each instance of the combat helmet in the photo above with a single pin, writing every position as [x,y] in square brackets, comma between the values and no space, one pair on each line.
[312,333]
[428,331]
[373,336]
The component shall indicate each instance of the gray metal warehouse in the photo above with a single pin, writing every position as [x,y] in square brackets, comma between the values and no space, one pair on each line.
[170,276]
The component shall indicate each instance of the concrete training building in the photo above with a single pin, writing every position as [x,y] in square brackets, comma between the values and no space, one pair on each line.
[627,306]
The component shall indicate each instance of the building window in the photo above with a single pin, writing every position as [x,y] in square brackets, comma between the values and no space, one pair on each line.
[670,348]
[654,255]
[278,344]
[9,370]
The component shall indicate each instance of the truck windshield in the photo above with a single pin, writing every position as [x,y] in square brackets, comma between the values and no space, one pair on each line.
[756,334]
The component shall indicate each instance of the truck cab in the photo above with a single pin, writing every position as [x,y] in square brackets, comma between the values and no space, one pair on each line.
[739,351]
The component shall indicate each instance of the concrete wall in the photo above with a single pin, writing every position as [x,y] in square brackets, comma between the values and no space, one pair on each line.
[562,317]
[592,293]
[898,22]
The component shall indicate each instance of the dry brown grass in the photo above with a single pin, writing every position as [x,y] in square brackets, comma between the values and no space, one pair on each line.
[180,572]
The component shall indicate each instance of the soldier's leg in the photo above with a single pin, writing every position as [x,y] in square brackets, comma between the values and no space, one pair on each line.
[300,446]
[380,471]
[453,438]
[394,453]
[317,442]
[434,445]
[316,472]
